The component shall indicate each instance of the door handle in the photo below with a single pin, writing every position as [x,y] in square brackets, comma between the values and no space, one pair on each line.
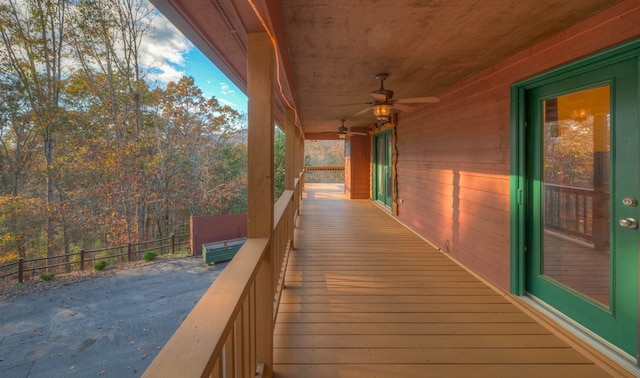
[628,223]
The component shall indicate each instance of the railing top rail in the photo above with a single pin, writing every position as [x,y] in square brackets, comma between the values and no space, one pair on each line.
[281,206]
[202,334]
[237,296]
[324,167]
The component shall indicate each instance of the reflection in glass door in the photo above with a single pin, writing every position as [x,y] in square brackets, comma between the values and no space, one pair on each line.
[576,172]
[582,180]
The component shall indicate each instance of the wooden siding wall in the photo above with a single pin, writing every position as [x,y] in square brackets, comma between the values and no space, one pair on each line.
[453,157]
[358,163]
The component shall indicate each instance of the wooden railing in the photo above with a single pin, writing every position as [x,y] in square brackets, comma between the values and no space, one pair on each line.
[569,210]
[26,269]
[229,333]
[326,174]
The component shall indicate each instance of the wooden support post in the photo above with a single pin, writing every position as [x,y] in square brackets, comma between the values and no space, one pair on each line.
[300,157]
[260,136]
[299,151]
[290,150]
[260,73]
[291,163]
[82,257]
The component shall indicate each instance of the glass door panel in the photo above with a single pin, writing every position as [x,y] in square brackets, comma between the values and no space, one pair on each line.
[576,156]
[382,170]
[582,184]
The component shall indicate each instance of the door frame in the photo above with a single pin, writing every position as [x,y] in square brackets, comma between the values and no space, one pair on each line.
[518,195]
[390,154]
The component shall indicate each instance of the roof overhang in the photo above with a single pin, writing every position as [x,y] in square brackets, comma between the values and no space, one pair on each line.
[330,51]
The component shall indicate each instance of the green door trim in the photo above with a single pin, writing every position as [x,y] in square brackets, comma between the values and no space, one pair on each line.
[387,201]
[518,172]
[518,146]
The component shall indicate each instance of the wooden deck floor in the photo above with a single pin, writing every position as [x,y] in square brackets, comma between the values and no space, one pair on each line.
[365,297]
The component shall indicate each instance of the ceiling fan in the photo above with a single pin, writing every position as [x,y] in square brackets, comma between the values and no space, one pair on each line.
[343,131]
[383,103]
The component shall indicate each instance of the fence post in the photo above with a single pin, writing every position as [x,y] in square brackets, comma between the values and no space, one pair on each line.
[67,261]
[173,244]
[82,259]
[193,245]
[20,270]
[129,256]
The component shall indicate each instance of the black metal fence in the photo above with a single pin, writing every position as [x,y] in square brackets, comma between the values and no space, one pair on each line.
[25,269]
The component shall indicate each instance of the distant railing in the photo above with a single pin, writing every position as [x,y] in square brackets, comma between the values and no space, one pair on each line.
[569,210]
[229,333]
[25,269]
[326,174]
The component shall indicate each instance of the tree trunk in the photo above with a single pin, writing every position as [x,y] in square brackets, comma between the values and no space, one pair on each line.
[49,144]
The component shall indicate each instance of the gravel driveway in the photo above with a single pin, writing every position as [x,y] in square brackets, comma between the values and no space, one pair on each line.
[110,324]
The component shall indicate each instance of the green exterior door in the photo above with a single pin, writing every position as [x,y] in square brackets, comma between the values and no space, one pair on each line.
[582,187]
[382,168]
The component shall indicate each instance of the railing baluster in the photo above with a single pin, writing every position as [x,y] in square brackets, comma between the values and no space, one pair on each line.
[240,339]
[229,367]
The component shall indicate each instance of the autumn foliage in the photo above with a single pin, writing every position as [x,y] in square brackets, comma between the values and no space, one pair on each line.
[91,152]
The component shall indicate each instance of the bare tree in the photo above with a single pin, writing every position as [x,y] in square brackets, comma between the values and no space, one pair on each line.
[18,139]
[107,43]
[32,35]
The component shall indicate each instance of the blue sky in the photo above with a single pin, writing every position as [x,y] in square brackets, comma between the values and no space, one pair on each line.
[212,81]
[169,55]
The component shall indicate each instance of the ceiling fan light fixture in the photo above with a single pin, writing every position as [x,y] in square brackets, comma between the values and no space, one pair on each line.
[382,111]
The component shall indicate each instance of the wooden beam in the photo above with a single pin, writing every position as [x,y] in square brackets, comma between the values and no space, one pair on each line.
[260,135]
[290,153]
[299,151]
[260,80]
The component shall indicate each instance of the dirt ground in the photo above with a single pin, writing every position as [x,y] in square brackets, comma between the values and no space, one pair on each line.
[111,323]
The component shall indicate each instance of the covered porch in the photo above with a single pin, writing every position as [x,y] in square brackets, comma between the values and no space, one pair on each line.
[327,286]
[365,297]
[361,295]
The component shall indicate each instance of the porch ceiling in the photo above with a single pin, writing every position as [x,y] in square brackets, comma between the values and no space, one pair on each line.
[331,50]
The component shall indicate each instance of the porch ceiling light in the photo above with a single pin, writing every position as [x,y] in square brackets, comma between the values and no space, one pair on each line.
[382,111]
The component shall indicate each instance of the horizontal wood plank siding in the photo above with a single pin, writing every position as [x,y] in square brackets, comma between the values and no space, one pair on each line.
[366,297]
[359,154]
[453,157]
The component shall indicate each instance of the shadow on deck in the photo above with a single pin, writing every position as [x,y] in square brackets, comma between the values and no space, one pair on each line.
[367,297]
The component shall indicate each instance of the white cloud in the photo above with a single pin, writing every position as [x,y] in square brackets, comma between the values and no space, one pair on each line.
[224,101]
[226,89]
[163,51]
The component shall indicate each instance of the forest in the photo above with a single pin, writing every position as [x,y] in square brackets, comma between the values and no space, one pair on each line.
[91,153]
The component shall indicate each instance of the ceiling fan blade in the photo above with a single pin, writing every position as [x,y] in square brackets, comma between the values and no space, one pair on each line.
[355,103]
[363,110]
[404,108]
[378,97]
[357,133]
[418,100]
